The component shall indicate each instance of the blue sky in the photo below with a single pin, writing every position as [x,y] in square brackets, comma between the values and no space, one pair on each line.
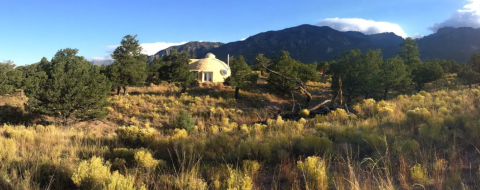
[33,29]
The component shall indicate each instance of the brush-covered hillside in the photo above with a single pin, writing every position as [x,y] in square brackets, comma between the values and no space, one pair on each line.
[359,122]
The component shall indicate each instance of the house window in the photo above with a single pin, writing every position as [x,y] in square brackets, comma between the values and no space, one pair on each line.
[208,77]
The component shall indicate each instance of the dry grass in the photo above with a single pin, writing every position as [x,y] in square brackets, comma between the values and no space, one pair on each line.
[426,140]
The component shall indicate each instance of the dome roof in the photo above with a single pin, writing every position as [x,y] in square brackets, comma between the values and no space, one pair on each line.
[209,64]
[210,55]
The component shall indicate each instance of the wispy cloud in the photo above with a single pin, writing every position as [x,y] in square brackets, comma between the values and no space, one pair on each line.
[469,16]
[362,25]
[243,39]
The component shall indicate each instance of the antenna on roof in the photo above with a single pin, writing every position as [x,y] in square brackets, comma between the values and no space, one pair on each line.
[228,60]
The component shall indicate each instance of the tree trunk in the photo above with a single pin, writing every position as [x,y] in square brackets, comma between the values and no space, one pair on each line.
[184,89]
[349,99]
[385,94]
[309,98]
[124,90]
[470,85]
[366,96]
[118,90]
[237,90]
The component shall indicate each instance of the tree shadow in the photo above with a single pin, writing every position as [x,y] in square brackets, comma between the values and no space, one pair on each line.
[15,116]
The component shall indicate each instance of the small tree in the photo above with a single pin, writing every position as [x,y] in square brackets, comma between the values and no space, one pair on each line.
[393,72]
[469,76]
[73,85]
[260,61]
[241,74]
[323,69]
[33,76]
[358,73]
[307,72]
[130,66]
[425,73]
[286,66]
[471,73]
[174,68]
[185,121]
[409,52]
[10,78]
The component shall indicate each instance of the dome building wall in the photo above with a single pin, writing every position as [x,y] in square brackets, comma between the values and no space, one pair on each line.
[210,69]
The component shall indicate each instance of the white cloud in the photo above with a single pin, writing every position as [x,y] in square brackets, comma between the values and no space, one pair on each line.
[416,36]
[152,48]
[99,58]
[243,39]
[469,16]
[147,48]
[362,25]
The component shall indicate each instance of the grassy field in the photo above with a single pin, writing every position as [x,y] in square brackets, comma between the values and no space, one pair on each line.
[158,138]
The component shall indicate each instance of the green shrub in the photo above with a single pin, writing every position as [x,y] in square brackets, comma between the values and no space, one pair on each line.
[185,121]
[123,153]
[313,145]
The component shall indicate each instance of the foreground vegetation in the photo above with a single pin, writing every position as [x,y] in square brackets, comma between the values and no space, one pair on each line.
[426,140]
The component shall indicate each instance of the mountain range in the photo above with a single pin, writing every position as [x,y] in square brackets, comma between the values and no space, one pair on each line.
[309,43]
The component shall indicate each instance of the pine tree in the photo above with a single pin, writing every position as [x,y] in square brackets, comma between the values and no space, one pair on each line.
[358,73]
[174,68]
[260,64]
[393,72]
[471,73]
[73,86]
[286,66]
[130,66]
[409,52]
[241,74]
[425,73]
[10,78]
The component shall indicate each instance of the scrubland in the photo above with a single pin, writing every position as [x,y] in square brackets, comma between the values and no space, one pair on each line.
[158,138]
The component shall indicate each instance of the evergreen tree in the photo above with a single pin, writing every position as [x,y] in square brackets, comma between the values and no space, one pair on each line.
[323,67]
[174,68]
[370,70]
[73,86]
[358,73]
[260,62]
[286,66]
[33,77]
[241,74]
[307,72]
[449,66]
[471,72]
[425,73]
[393,72]
[409,52]
[130,66]
[10,78]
